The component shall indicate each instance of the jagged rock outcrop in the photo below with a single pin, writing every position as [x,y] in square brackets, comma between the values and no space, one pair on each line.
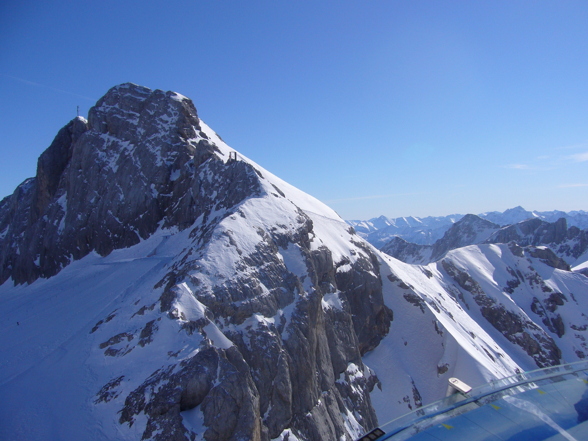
[531,232]
[52,164]
[109,182]
[301,368]
[408,252]
[469,230]
[548,257]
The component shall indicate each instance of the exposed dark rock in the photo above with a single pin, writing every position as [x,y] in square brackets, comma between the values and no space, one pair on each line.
[416,396]
[468,230]
[108,391]
[548,257]
[371,319]
[415,300]
[554,300]
[52,163]
[442,369]
[215,379]
[407,251]
[146,335]
[116,339]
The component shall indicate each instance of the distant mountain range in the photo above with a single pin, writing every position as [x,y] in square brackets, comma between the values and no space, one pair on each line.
[427,230]
[569,244]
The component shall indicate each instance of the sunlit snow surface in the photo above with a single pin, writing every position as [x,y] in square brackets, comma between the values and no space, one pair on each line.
[49,372]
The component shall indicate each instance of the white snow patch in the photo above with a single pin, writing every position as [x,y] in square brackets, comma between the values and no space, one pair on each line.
[256,320]
[287,435]
[332,300]
[188,307]
[295,263]
[344,268]
[193,420]
[352,425]
[217,337]
[178,97]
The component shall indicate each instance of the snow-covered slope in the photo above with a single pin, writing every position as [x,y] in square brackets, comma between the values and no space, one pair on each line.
[158,285]
[492,310]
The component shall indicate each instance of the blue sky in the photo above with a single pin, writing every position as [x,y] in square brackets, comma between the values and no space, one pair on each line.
[375,107]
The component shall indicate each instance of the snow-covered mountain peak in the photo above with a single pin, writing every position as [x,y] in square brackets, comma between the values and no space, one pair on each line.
[208,263]
[168,287]
[107,183]
[142,161]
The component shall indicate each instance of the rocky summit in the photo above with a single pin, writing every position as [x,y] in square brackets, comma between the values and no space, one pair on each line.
[155,284]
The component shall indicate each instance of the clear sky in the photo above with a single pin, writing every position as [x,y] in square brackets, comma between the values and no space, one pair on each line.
[390,107]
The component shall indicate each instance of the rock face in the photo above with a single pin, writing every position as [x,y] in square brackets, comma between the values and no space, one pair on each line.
[469,230]
[295,371]
[108,183]
[407,251]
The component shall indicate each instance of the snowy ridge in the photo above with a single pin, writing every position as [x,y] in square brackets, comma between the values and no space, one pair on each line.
[468,296]
[274,184]
[570,244]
